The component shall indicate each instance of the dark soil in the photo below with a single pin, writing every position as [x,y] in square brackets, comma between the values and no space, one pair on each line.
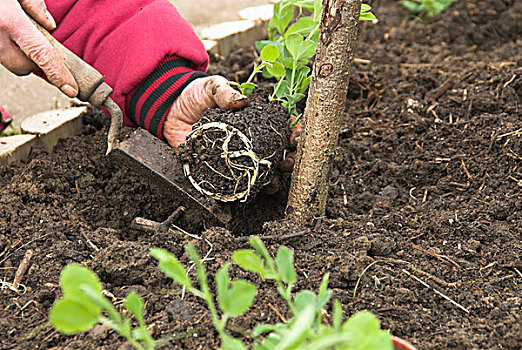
[427,178]
[264,124]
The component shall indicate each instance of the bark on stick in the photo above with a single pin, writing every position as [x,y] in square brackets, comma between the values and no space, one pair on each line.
[324,109]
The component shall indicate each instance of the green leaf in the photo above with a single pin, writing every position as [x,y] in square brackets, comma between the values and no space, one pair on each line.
[262,43]
[283,14]
[231,83]
[365,330]
[260,247]
[270,53]
[285,265]
[304,299]
[367,16]
[277,70]
[135,305]
[74,275]
[222,281]
[410,5]
[240,297]
[171,267]
[230,343]
[304,84]
[265,328]
[337,315]
[365,7]
[142,333]
[318,10]
[250,261]
[303,26]
[299,329]
[69,316]
[283,89]
[293,43]
[101,301]
[248,85]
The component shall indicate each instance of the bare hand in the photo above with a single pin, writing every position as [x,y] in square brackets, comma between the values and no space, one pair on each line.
[200,95]
[23,48]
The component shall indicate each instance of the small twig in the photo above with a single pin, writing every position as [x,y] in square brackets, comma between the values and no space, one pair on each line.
[275,237]
[517,271]
[436,291]
[277,312]
[22,268]
[466,170]
[437,256]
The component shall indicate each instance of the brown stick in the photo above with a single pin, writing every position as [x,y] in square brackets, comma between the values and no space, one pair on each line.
[324,110]
[24,264]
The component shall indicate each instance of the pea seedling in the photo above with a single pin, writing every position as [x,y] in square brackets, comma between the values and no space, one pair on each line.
[269,55]
[83,306]
[296,44]
[306,330]
[427,8]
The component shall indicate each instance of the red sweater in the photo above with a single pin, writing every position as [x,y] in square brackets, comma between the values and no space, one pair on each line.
[145,50]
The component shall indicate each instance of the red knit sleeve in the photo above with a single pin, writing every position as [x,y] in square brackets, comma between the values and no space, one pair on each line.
[139,46]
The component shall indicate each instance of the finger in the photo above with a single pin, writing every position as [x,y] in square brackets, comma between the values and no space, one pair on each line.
[12,58]
[40,51]
[38,10]
[224,95]
[287,164]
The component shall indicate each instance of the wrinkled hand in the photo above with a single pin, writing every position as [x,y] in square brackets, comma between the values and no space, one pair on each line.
[200,95]
[23,48]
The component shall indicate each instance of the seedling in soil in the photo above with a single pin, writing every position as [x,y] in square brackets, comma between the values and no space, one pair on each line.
[307,328]
[83,305]
[268,56]
[427,8]
[296,44]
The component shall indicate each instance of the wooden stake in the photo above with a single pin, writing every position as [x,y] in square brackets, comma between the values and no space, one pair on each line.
[324,110]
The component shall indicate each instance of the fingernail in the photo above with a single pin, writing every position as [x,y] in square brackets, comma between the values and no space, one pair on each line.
[50,18]
[69,90]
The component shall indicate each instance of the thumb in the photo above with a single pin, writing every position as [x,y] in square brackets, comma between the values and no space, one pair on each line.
[223,94]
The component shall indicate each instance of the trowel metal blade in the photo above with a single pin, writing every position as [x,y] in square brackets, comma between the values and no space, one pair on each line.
[155,161]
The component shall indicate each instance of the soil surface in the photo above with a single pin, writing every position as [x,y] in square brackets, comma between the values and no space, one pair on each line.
[427,179]
[253,140]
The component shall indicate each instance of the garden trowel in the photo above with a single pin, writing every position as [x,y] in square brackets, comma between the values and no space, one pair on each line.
[91,86]
[142,152]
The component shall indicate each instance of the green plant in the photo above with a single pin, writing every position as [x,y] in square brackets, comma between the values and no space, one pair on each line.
[307,329]
[269,55]
[83,305]
[290,48]
[9,131]
[427,8]
[296,43]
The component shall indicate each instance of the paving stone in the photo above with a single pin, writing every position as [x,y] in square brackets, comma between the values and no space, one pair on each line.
[230,35]
[257,13]
[52,126]
[16,148]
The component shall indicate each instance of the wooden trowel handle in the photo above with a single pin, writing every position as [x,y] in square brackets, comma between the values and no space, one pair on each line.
[89,80]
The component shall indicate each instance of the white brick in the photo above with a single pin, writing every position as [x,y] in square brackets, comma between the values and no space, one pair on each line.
[257,13]
[16,148]
[54,125]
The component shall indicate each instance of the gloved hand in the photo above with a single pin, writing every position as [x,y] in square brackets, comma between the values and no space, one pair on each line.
[23,48]
[200,95]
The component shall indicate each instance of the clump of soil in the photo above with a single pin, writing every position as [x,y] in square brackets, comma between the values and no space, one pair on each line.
[232,155]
